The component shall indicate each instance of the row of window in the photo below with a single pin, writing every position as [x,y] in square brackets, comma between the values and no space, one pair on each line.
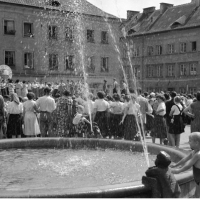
[186,69]
[159,49]
[181,90]
[9,29]
[54,62]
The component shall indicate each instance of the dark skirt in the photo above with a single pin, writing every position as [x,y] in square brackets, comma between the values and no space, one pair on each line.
[150,122]
[177,127]
[160,127]
[14,127]
[130,127]
[102,122]
[115,126]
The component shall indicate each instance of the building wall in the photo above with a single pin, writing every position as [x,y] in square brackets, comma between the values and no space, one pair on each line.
[180,83]
[41,46]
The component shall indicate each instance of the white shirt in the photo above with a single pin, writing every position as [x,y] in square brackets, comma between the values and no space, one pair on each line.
[133,108]
[160,107]
[117,107]
[176,110]
[46,103]
[101,105]
[14,108]
[77,119]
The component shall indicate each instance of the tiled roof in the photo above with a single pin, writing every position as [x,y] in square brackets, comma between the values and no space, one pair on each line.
[81,6]
[185,15]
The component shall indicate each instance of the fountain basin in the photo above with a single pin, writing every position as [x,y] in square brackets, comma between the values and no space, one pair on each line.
[132,189]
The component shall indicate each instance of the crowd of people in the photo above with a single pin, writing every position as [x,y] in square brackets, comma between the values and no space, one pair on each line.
[60,110]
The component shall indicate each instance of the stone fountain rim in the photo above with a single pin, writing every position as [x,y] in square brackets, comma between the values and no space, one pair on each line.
[95,192]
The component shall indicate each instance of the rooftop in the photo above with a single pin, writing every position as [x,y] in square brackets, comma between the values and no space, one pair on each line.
[174,18]
[79,6]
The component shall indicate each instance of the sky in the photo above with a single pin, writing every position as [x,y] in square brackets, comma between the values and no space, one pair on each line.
[119,7]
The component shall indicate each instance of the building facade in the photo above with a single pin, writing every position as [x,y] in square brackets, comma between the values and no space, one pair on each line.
[53,40]
[164,47]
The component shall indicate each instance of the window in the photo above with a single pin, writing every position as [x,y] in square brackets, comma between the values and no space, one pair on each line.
[183,70]
[150,71]
[69,34]
[137,71]
[69,62]
[149,50]
[192,90]
[10,59]
[90,35]
[28,60]
[104,64]
[183,47]
[53,3]
[170,70]
[9,27]
[53,32]
[53,61]
[170,48]
[28,30]
[193,69]
[182,90]
[136,52]
[90,64]
[194,46]
[104,37]
[158,49]
[158,71]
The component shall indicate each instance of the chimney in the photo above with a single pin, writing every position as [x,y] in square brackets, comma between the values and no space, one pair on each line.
[197,2]
[149,10]
[131,13]
[164,7]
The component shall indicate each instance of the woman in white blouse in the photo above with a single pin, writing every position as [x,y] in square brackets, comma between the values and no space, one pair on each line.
[131,112]
[160,127]
[15,110]
[101,108]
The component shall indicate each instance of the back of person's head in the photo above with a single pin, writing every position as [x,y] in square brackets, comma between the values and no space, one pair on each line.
[198,96]
[47,90]
[173,94]
[160,96]
[167,96]
[30,95]
[146,94]
[100,94]
[10,81]
[109,98]
[66,93]
[116,97]
[195,136]
[17,81]
[131,90]
[189,96]
[163,160]
[177,99]
[24,82]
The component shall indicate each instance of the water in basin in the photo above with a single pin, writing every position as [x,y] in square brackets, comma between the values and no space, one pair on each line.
[24,169]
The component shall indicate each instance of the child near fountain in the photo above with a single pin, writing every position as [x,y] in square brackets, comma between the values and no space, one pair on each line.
[167,184]
[191,160]
[81,123]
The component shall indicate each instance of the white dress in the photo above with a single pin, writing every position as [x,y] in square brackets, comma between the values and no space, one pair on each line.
[31,126]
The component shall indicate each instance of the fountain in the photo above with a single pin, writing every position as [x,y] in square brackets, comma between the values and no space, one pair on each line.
[126,189]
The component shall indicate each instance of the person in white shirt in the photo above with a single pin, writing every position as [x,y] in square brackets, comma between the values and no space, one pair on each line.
[100,114]
[160,128]
[46,106]
[124,88]
[130,117]
[14,110]
[116,117]
[176,126]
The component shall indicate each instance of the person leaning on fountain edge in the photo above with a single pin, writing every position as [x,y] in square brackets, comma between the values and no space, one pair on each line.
[167,184]
[191,160]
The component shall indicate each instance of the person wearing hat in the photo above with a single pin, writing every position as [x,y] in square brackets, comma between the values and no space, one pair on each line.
[167,184]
